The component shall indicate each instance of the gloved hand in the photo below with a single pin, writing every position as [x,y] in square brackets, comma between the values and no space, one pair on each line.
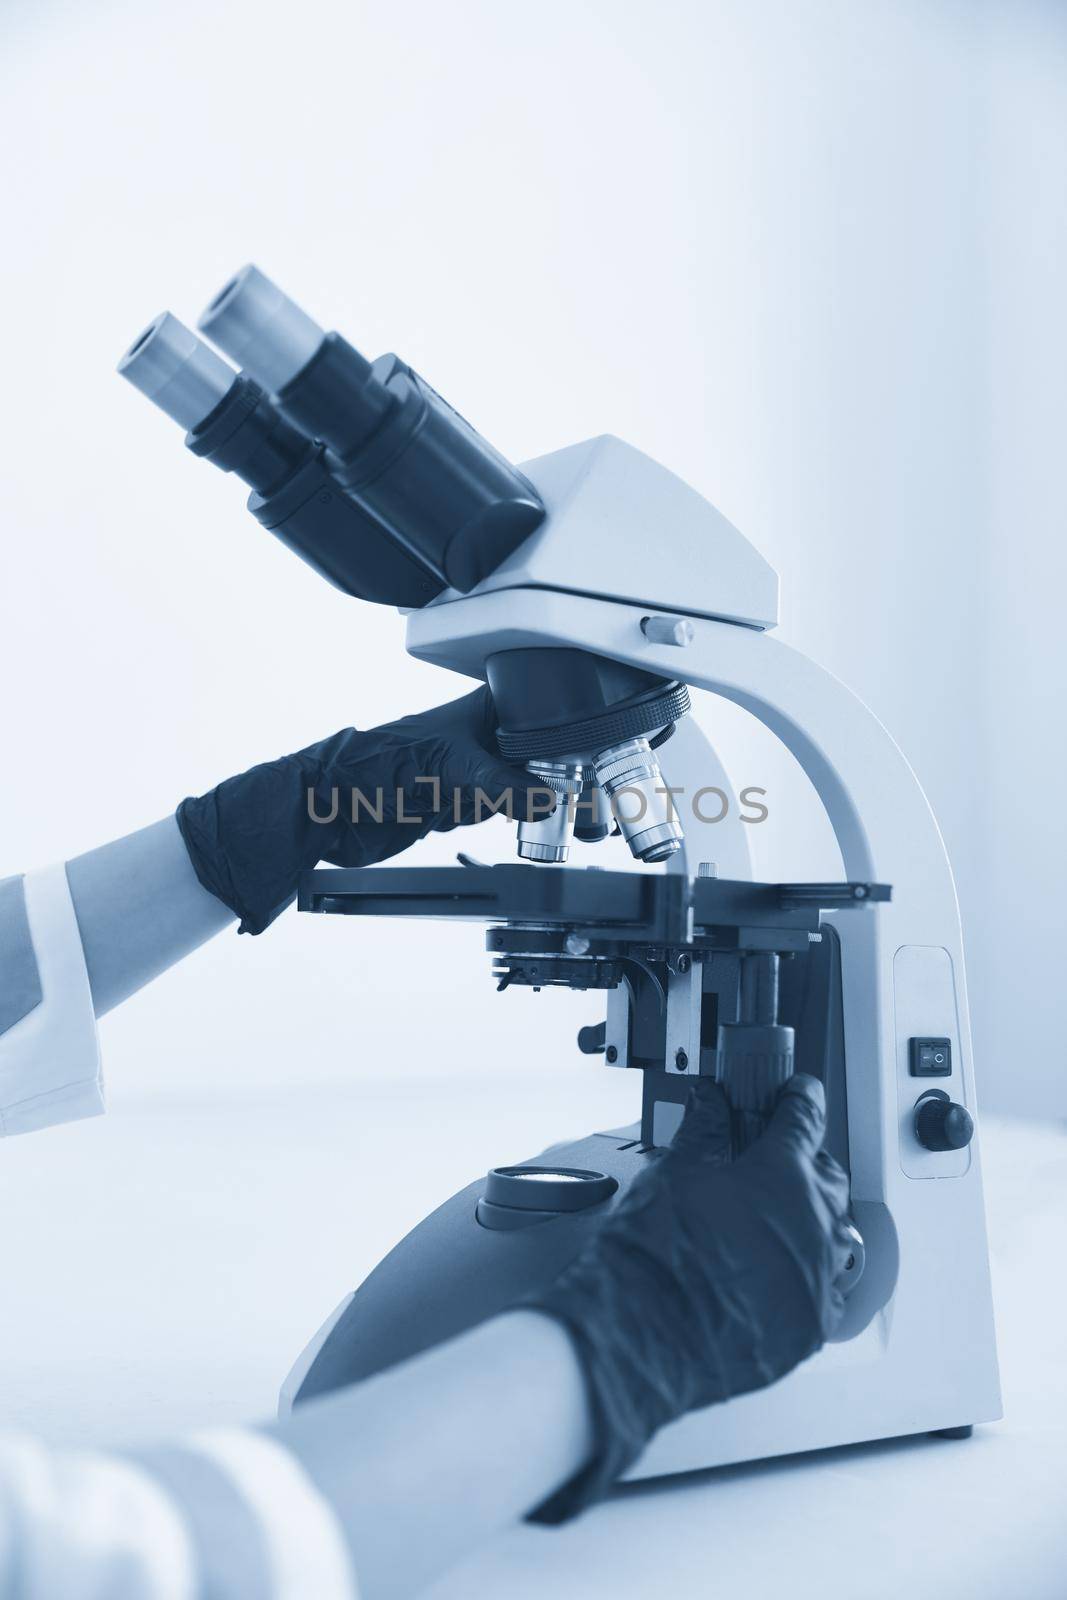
[709,1280]
[250,839]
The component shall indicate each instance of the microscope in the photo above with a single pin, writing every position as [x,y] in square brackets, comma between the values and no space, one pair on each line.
[593,590]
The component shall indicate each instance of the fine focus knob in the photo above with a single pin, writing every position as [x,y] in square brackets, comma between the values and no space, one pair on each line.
[941,1124]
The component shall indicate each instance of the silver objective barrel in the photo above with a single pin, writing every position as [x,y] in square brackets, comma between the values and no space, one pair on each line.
[178,372]
[548,838]
[629,775]
[261,329]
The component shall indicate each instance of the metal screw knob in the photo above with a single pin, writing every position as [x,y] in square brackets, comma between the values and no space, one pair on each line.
[667,630]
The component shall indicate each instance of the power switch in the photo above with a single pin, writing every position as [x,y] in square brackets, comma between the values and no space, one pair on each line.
[930,1058]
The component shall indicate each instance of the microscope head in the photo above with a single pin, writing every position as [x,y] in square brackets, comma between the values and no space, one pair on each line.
[619,528]
[366,473]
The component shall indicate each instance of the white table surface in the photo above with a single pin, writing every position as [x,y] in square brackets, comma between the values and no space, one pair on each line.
[163,1265]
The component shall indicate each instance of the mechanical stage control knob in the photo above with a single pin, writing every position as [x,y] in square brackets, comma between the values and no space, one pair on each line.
[942,1124]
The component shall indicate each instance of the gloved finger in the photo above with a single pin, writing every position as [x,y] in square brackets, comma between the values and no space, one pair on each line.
[834,1183]
[479,808]
[833,1311]
[474,716]
[484,718]
[470,715]
[799,1119]
[704,1131]
[509,790]
[845,1247]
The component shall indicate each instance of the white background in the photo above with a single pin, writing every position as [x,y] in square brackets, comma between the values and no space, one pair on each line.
[809,254]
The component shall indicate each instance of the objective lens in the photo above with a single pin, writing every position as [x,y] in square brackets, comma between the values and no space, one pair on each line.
[630,777]
[178,372]
[548,839]
[261,329]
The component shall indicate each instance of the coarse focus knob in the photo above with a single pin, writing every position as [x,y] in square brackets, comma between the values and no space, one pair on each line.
[752,1062]
[942,1124]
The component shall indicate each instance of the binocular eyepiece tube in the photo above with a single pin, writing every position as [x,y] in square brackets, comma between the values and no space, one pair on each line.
[261,329]
[359,467]
[230,420]
[178,372]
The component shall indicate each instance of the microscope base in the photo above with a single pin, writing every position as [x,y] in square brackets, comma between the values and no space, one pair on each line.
[452,1272]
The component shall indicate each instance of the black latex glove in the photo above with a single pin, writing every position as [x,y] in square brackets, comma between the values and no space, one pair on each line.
[250,839]
[710,1279]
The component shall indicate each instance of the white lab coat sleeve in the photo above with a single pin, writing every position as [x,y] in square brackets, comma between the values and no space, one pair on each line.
[304,1548]
[87,1526]
[50,1056]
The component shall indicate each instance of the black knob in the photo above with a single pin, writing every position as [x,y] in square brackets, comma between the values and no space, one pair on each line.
[591,1038]
[941,1124]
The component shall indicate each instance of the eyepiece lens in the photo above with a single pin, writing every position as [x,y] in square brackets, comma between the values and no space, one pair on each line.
[261,329]
[141,339]
[177,371]
[222,294]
